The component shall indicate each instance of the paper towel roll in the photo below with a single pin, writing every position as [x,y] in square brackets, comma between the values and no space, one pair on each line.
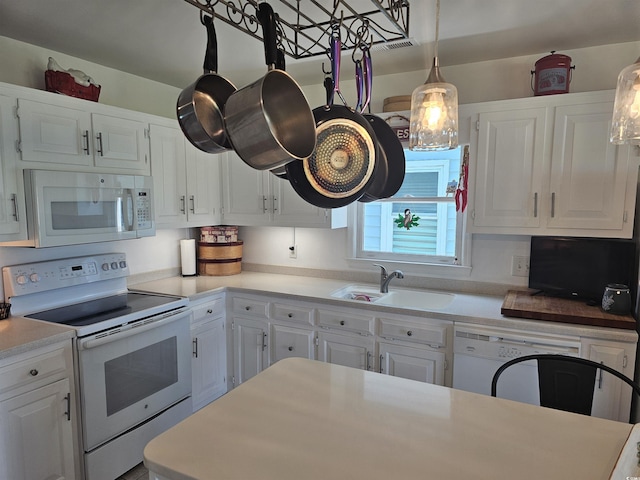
[188,257]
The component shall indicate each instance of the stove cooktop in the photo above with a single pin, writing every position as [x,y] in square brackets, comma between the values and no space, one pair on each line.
[110,311]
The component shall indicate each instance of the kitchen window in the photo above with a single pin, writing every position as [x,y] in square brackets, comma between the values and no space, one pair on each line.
[425,203]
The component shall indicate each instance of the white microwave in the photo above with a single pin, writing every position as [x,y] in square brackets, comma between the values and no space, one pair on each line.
[69,208]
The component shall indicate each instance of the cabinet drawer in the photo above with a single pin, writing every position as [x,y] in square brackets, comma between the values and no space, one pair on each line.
[291,313]
[250,306]
[346,321]
[434,335]
[34,369]
[208,310]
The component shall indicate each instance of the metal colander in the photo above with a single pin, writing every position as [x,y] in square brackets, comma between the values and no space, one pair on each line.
[343,160]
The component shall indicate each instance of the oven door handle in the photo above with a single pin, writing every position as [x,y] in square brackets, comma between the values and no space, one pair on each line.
[130,330]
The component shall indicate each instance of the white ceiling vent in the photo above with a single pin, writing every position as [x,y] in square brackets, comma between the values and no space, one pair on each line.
[394,45]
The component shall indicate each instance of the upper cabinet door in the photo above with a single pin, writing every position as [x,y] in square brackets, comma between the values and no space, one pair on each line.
[510,155]
[12,207]
[54,134]
[120,143]
[588,181]
[204,198]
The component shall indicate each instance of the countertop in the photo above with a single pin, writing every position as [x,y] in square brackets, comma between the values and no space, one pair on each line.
[307,419]
[18,335]
[468,308]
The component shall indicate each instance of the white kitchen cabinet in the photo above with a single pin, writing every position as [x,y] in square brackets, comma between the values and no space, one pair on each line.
[255,197]
[209,351]
[250,348]
[66,133]
[509,167]
[12,205]
[421,364]
[611,397]
[347,350]
[186,180]
[544,166]
[288,341]
[416,349]
[38,415]
[590,177]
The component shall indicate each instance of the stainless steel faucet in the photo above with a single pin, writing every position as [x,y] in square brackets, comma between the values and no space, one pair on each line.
[385,278]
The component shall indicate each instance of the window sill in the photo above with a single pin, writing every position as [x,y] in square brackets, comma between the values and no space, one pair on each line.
[414,268]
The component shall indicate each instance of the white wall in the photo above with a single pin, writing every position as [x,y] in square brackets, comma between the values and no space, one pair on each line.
[596,69]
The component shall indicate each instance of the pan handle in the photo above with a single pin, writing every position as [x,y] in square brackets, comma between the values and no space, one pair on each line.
[328,86]
[368,77]
[336,49]
[359,86]
[266,18]
[211,54]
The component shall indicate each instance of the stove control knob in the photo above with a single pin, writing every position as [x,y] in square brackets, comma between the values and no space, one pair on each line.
[114,265]
[105,267]
[21,279]
[123,264]
[34,277]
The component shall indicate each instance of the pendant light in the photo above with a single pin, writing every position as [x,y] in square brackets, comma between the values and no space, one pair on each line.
[434,109]
[625,126]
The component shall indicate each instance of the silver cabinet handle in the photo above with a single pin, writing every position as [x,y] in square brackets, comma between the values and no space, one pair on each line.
[99,149]
[85,135]
[368,360]
[342,322]
[264,341]
[209,311]
[290,349]
[192,199]
[600,378]
[68,412]
[535,204]
[274,203]
[409,333]
[194,350]
[183,204]
[33,372]
[14,201]
[553,204]
[264,204]
[380,369]
[290,315]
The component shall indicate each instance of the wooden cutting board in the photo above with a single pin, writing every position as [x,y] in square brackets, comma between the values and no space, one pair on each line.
[522,304]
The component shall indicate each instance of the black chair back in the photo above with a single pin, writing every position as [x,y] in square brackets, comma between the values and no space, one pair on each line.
[565,383]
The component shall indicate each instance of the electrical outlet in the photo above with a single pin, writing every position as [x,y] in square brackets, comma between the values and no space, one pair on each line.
[293,251]
[520,266]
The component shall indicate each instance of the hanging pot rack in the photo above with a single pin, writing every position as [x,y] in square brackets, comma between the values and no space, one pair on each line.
[307,34]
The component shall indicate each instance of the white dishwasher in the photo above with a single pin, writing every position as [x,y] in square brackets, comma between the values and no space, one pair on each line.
[479,351]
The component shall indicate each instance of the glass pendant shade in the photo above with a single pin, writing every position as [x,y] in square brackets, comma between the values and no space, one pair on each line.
[434,114]
[625,126]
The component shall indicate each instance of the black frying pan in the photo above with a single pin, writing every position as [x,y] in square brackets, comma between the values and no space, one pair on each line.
[200,106]
[389,179]
[343,163]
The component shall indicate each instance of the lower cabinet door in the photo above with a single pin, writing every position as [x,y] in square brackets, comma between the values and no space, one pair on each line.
[208,364]
[348,350]
[424,365]
[250,348]
[291,342]
[36,435]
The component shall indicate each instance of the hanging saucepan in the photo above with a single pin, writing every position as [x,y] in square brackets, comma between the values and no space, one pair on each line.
[384,185]
[270,122]
[200,106]
[343,163]
[281,64]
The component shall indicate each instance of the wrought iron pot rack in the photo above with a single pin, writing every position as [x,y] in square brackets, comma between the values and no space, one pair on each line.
[304,27]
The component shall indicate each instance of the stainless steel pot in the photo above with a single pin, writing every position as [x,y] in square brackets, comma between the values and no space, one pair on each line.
[270,122]
[200,105]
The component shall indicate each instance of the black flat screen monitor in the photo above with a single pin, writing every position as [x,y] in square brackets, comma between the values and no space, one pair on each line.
[575,267]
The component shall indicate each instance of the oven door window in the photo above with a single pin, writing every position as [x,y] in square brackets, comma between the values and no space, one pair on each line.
[139,374]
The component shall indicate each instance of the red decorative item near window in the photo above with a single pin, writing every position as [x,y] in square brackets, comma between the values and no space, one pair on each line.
[64,83]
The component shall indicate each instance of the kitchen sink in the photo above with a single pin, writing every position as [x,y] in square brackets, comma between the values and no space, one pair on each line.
[416,299]
[395,298]
[358,292]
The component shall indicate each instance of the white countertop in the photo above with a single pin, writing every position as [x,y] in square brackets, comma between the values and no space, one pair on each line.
[469,308]
[304,419]
[19,334]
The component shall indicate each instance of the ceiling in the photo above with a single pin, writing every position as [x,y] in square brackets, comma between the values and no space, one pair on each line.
[163,40]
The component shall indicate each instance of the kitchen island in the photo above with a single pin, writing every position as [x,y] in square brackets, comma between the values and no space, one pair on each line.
[303,419]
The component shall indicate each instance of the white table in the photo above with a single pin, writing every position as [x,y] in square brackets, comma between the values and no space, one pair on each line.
[304,420]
